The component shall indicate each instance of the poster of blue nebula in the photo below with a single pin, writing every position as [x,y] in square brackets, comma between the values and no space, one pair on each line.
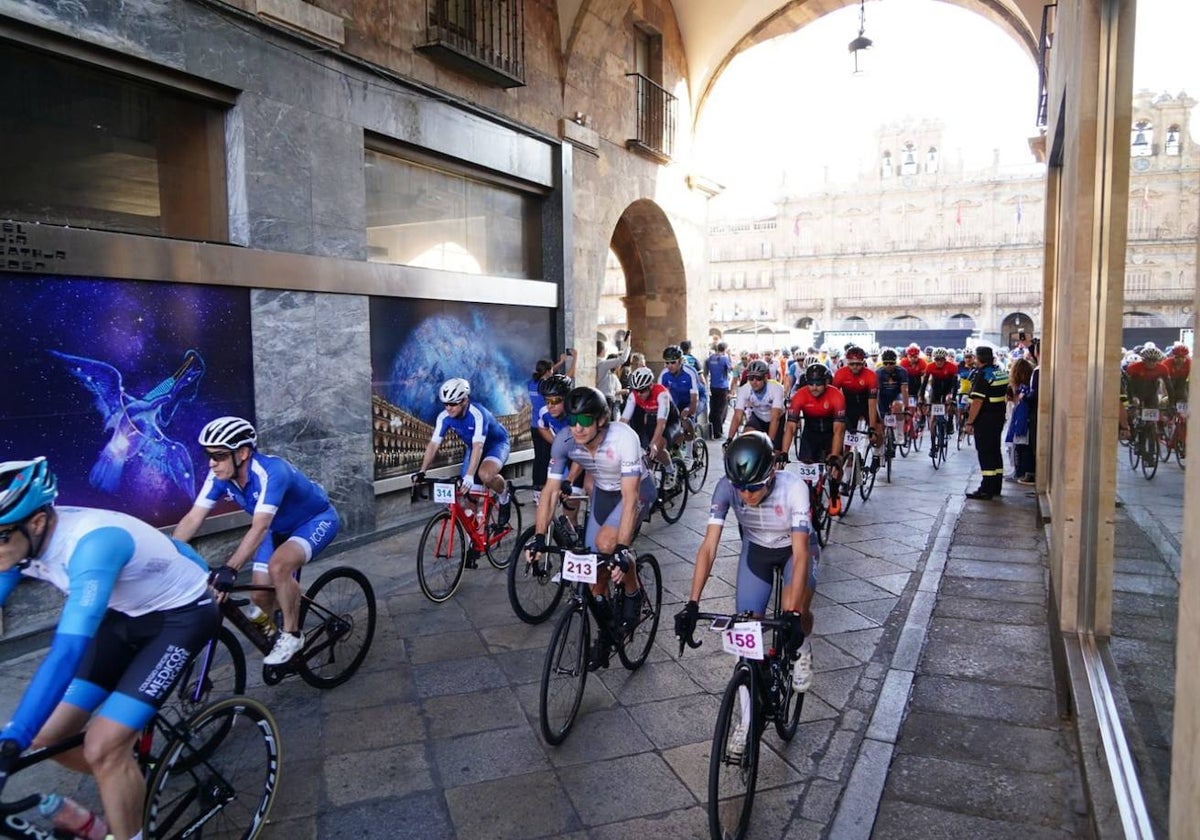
[112,380]
[418,344]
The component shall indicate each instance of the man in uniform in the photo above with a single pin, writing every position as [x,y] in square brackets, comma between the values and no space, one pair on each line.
[985,419]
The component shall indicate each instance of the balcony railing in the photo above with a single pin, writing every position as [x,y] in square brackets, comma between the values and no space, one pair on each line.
[655,120]
[1181,294]
[1013,298]
[484,39]
[965,299]
[804,304]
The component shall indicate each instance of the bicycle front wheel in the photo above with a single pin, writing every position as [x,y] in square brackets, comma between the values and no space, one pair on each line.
[337,621]
[564,675]
[1149,453]
[218,776]
[698,472]
[441,557]
[502,539]
[225,675]
[635,647]
[851,473]
[867,483]
[672,491]
[534,591]
[1135,449]
[733,762]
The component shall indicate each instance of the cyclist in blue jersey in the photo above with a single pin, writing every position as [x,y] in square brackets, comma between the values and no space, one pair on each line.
[485,437]
[893,389]
[282,502]
[138,608]
[683,384]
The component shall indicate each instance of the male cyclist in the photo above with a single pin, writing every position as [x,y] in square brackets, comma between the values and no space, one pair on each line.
[683,384]
[860,388]
[138,609]
[893,389]
[772,512]
[914,366]
[1147,375]
[653,415]
[824,411]
[761,402]
[282,502]
[622,490]
[551,419]
[1179,370]
[941,378]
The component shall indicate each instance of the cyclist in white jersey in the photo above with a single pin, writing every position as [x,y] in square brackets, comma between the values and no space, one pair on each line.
[761,402]
[138,608]
[772,510]
[622,490]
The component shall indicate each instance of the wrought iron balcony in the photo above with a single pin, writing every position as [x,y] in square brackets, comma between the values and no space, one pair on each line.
[484,39]
[1018,298]
[852,304]
[655,120]
[1160,294]
[804,304]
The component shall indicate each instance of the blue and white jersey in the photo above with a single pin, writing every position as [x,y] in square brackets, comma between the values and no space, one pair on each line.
[536,401]
[476,425]
[681,385]
[719,367]
[546,420]
[619,455]
[772,522]
[273,487]
[891,379]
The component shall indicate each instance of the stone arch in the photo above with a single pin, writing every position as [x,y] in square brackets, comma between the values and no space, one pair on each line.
[645,244]
[1012,326]
[961,321]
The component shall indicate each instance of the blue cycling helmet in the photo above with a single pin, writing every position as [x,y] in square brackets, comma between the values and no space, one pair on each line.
[25,488]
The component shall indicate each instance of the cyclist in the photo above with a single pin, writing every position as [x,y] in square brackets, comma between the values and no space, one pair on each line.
[1179,370]
[860,388]
[138,608]
[551,419]
[683,384]
[761,402]
[893,388]
[622,490]
[772,511]
[1146,375]
[283,503]
[914,366]
[824,410]
[653,415]
[941,378]
[966,370]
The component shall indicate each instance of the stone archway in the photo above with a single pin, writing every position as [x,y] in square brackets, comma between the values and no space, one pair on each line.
[655,281]
[1012,327]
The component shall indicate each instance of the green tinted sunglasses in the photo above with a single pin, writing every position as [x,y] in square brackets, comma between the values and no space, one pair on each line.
[584,420]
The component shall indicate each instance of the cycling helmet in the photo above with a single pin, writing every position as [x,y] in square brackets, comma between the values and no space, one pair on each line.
[888,355]
[1179,350]
[228,433]
[587,401]
[25,488]
[641,378]
[1151,353]
[454,391]
[855,352]
[928,351]
[749,460]
[835,353]
[816,374]
[758,368]
[556,385]
[846,347]
[672,353]
[812,359]
[912,350]
[940,353]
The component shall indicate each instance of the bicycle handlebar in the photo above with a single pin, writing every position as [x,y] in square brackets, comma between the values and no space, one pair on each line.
[603,558]
[732,618]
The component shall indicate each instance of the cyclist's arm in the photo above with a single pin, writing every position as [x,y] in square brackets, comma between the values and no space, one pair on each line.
[736,423]
[839,436]
[474,460]
[546,502]
[8,582]
[706,555]
[793,593]
[776,419]
[190,524]
[431,450]
[789,432]
[660,422]
[93,569]
[260,524]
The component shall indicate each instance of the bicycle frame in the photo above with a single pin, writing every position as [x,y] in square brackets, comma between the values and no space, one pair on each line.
[473,518]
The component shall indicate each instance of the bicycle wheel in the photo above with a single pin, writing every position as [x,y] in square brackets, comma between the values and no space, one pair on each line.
[337,619]
[916,438]
[1181,445]
[441,557]
[904,447]
[867,483]
[733,767]
[564,675]
[1166,443]
[672,496]
[851,469]
[635,647]
[218,777]
[224,676]
[787,716]
[1135,448]
[502,540]
[822,521]
[698,472]
[534,592]
[1149,446]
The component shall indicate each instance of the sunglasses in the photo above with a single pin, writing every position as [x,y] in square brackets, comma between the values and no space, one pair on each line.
[223,455]
[6,535]
[452,405]
[554,400]
[751,488]
[583,420]
[756,378]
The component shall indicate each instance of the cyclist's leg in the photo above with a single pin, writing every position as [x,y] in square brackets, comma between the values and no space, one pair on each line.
[303,544]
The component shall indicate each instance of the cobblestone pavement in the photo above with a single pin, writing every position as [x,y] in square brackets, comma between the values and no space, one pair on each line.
[932,705]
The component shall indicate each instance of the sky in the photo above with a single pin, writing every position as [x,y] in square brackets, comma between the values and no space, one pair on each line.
[788,116]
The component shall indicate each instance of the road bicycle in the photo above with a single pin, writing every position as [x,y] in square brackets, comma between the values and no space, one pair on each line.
[455,537]
[759,692]
[671,490]
[1172,434]
[939,434]
[535,585]
[889,444]
[962,435]
[212,775]
[565,670]
[852,468]
[697,470]
[337,623]
[914,426]
[1143,442]
[820,498]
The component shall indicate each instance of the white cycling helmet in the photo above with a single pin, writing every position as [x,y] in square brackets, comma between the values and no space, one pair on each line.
[454,391]
[228,433]
[641,378]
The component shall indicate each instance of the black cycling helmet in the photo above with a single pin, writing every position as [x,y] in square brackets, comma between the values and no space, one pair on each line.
[556,385]
[888,355]
[749,460]
[816,374]
[855,352]
[672,353]
[587,401]
[758,368]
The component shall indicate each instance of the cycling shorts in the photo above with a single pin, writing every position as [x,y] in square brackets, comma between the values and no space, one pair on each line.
[312,536]
[814,447]
[496,450]
[132,662]
[756,570]
[644,423]
[604,508]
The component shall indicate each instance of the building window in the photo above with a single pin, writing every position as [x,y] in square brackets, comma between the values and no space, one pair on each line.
[89,148]
[1171,147]
[433,218]
[1142,143]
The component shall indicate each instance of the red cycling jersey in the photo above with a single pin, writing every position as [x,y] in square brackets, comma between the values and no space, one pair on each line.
[946,371]
[864,384]
[915,369]
[1143,372]
[1179,368]
[652,403]
[831,405]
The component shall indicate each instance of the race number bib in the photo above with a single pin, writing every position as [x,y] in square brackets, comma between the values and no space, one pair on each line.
[1181,409]
[1150,415]
[912,402]
[889,420]
[443,493]
[809,472]
[938,410]
[852,440]
[580,568]
[743,640]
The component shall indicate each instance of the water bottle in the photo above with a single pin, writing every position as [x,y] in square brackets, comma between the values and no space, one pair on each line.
[263,621]
[68,815]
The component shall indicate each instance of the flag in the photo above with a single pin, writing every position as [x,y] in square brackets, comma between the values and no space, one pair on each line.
[1020,211]
[796,227]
